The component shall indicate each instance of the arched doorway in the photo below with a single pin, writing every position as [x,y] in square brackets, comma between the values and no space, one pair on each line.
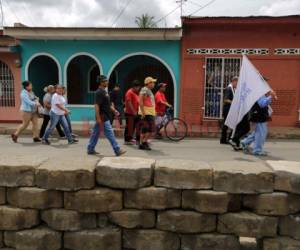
[81,72]
[7,86]
[139,66]
[43,70]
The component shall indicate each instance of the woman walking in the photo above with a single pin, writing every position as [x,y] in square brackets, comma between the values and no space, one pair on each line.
[29,107]
[57,115]
[50,90]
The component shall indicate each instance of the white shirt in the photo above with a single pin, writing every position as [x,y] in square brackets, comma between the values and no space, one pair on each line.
[57,99]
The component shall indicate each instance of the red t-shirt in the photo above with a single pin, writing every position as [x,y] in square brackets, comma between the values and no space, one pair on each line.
[159,105]
[134,98]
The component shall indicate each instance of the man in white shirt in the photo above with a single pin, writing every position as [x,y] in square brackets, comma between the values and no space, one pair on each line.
[57,114]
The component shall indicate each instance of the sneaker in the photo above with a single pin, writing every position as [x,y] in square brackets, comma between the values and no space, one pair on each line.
[73,142]
[14,138]
[121,152]
[262,153]
[93,153]
[245,148]
[37,139]
[46,142]
[62,137]
[147,147]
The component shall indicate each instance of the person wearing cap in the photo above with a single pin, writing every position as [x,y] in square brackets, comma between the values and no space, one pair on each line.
[228,97]
[259,115]
[160,107]
[50,90]
[147,112]
[103,109]
[131,113]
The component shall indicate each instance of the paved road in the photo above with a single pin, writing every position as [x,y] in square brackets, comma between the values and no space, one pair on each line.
[201,149]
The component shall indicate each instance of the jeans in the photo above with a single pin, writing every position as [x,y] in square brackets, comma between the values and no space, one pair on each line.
[258,136]
[109,134]
[45,124]
[68,119]
[54,120]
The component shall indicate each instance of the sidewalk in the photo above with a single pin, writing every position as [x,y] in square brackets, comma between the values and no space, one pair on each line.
[83,129]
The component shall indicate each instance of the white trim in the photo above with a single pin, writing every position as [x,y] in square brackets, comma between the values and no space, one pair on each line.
[43,54]
[71,58]
[89,78]
[157,58]
[75,55]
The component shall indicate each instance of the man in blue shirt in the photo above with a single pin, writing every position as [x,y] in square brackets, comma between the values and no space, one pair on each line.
[259,115]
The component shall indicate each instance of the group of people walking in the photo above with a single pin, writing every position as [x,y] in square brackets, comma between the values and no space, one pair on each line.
[143,113]
[258,117]
[53,110]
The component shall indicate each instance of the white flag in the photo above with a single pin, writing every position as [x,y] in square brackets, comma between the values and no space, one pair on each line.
[251,86]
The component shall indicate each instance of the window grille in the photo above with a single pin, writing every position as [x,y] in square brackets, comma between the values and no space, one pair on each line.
[218,74]
[7,88]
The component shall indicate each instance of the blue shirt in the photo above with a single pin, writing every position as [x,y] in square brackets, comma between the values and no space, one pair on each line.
[264,101]
[27,102]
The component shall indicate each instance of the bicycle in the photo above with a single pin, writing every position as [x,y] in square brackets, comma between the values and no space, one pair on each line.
[175,129]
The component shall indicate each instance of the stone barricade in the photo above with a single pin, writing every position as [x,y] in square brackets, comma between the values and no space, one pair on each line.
[134,203]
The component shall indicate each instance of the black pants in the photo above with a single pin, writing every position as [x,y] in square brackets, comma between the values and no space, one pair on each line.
[45,124]
[242,129]
[225,136]
[131,127]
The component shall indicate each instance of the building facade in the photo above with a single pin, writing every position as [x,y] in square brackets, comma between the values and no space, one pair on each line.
[75,56]
[211,54]
[10,75]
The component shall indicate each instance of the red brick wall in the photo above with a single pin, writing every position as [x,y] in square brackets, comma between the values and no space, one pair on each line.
[283,71]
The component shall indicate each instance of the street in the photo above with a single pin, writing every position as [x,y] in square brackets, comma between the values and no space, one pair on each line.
[195,149]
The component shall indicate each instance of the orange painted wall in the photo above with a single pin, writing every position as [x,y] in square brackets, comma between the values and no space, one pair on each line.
[283,71]
[8,114]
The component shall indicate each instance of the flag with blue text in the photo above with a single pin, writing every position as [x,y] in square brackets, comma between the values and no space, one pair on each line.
[251,86]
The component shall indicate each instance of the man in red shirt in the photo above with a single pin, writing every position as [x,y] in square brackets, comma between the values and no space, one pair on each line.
[161,104]
[131,113]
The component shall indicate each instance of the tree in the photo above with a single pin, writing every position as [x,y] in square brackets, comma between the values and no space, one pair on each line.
[145,21]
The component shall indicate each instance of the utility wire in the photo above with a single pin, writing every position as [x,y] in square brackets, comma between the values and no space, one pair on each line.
[121,12]
[202,7]
[195,3]
[172,11]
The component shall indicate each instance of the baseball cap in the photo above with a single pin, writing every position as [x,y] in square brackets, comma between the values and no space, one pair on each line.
[161,85]
[149,79]
[101,78]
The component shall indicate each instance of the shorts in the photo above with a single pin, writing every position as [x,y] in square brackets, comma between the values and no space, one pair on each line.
[147,124]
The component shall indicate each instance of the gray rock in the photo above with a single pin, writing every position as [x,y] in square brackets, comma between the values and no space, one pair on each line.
[209,242]
[125,172]
[287,175]
[150,240]
[243,177]
[99,200]
[17,218]
[19,171]
[281,243]
[131,218]
[186,222]
[210,201]
[290,226]
[152,198]
[32,197]
[68,220]
[183,174]
[246,224]
[67,176]
[100,239]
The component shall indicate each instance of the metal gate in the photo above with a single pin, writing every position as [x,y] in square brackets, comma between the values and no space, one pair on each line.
[7,88]
[218,73]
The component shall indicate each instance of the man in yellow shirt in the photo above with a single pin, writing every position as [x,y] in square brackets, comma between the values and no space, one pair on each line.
[147,112]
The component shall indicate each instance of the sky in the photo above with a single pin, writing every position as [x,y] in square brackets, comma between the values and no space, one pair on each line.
[122,13]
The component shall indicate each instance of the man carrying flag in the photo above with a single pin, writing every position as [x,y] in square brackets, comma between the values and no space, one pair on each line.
[251,87]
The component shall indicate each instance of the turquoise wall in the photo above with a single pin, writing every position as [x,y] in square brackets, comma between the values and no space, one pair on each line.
[107,52]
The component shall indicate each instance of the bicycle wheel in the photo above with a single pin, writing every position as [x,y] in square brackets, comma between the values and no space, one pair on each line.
[176,129]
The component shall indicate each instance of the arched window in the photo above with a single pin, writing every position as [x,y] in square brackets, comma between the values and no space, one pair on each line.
[7,86]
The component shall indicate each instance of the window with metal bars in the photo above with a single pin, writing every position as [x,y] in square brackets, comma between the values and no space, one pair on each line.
[218,74]
[7,87]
